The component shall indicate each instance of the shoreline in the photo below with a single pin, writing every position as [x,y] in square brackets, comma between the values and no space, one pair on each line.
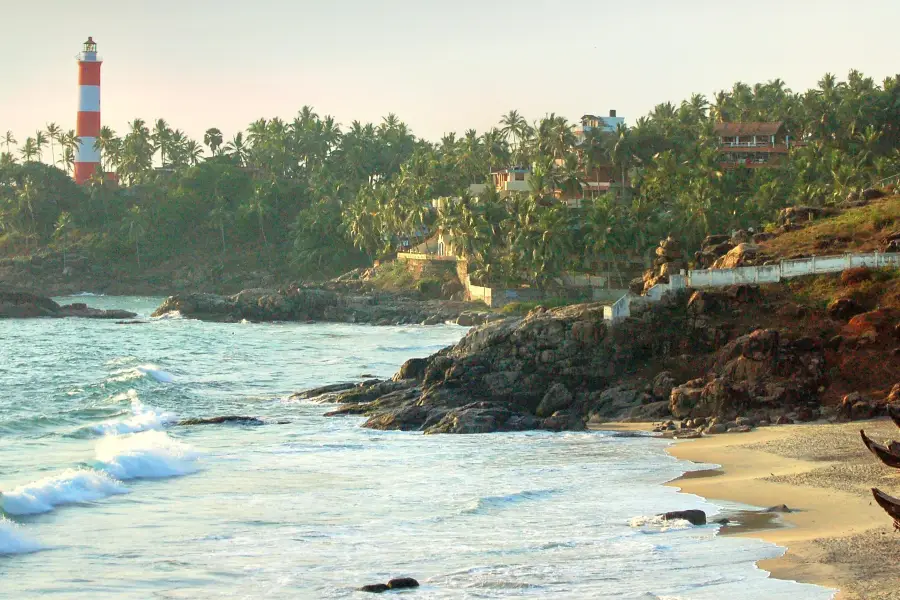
[835,535]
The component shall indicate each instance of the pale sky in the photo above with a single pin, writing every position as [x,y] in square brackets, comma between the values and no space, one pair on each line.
[442,66]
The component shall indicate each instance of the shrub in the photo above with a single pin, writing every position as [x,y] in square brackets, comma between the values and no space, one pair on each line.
[856,275]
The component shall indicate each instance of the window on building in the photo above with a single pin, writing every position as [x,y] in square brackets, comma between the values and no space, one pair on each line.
[520,176]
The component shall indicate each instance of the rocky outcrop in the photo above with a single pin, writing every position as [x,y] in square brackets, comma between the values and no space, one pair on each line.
[669,261]
[742,255]
[312,304]
[754,374]
[24,305]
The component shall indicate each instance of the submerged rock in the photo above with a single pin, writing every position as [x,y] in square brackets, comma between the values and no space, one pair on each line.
[224,420]
[401,583]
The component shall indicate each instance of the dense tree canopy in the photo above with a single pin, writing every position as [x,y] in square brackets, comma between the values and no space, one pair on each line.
[317,197]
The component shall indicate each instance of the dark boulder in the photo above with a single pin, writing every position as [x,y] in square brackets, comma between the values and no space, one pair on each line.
[402,583]
[375,588]
[843,309]
[694,517]
[223,420]
[414,368]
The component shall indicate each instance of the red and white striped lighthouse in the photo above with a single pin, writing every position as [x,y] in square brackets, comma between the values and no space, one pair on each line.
[87,157]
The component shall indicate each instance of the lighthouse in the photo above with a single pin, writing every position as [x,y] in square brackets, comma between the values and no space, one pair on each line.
[87,129]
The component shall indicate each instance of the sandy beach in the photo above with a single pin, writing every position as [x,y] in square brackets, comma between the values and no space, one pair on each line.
[836,535]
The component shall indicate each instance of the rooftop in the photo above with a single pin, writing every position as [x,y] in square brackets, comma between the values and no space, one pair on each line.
[752,128]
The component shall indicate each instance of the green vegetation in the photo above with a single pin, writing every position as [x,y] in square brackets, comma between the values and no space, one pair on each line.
[523,308]
[870,288]
[857,230]
[310,198]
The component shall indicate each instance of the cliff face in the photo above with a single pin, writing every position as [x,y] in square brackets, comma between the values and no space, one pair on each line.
[742,355]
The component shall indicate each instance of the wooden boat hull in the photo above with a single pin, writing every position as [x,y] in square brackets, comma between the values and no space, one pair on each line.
[890,505]
[889,455]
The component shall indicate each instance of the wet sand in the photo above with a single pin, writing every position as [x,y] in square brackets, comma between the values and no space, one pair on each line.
[835,535]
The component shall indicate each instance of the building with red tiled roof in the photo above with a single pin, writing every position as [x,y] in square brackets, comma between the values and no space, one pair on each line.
[751,145]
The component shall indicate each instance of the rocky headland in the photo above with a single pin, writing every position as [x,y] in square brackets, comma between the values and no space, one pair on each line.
[701,361]
[296,303]
[25,305]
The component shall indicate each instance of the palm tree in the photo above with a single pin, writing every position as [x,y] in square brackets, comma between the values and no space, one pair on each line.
[237,149]
[63,224]
[162,138]
[8,139]
[193,152]
[53,132]
[106,143]
[135,224]
[213,139]
[515,126]
[40,140]
[29,150]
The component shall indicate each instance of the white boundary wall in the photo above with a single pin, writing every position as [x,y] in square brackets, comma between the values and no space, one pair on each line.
[786,269]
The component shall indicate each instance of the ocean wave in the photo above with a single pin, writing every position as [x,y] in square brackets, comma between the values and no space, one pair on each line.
[488,503]
[74,486]
[175,314]
[145,455]
[149,370]
[144,418]
[659,523]
[12,541]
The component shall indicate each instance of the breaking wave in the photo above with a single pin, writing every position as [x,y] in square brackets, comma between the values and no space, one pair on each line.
[145,455]
[659,523]
[151,371]
[144,418]
[74,486]
[12,541]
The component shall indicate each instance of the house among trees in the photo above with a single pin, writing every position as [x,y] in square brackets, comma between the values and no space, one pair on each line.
[589,122]
[751,145]
[511,179]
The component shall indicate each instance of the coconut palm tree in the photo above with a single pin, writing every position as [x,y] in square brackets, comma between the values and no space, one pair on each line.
[53,132]
[40,140]
[9,140]
[135,224]
[106,143]
[193,152]
[237,149]
[29,150]
[515,126]
[162,138]
[61,230]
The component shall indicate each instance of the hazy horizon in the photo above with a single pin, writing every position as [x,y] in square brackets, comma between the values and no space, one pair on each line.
[210,64]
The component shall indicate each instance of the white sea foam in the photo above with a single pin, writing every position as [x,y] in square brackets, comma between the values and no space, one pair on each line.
[145,455]
[658,523]
[149,370]
[12,541]
[69,487]
[144,418]
[175,314]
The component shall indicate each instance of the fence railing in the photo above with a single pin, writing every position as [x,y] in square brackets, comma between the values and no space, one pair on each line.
[785,269]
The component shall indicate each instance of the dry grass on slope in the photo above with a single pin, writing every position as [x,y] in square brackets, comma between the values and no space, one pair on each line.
[861,229]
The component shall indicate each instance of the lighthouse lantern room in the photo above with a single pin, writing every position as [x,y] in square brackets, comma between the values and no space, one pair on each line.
[87,156]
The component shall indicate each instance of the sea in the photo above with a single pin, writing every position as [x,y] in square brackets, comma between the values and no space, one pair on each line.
[105,495]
